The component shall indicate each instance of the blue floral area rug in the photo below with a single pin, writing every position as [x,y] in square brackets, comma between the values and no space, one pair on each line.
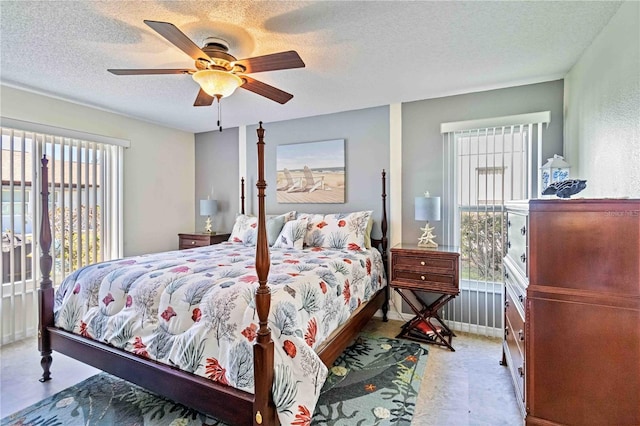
[374,382]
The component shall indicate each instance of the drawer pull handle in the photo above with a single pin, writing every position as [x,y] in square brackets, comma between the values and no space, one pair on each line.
[193,243]
[506,331]
[508,223]
[506,275]
[523,230]
[521,335]
[422,263]
[521,298]
[521,371]
[508,244]
[506,303]
[523,257]
[422,277]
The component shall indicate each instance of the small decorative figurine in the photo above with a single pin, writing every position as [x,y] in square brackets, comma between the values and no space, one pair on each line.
[565,188]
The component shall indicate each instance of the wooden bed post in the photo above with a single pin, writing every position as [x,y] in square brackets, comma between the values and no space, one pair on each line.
[385,243]
[242,196]
[45,292]
[264,410]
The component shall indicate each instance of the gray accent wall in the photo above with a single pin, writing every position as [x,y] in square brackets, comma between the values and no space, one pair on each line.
[366,135]
[422,146]
[217,170]
[367,151]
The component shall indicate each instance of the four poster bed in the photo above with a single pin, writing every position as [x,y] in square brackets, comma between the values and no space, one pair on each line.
[317,301]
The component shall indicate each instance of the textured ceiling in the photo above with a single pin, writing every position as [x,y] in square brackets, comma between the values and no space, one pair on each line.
[357,54]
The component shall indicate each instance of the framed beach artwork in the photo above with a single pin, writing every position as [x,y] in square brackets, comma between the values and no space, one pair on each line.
[311,172]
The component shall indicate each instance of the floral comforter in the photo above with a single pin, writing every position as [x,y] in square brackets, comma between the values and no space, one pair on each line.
[195,309]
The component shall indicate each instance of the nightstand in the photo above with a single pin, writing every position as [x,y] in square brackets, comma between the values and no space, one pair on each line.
[187,241]
[432,270]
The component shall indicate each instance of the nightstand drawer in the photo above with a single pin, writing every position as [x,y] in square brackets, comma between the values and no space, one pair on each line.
[194,241]
[432,270]
[187,241]
[421,263]
[426,280]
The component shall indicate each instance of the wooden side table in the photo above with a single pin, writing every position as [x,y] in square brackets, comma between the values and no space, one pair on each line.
[187,241]
[433,270]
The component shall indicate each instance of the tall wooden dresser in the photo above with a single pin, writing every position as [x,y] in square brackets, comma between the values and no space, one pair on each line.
[578,262]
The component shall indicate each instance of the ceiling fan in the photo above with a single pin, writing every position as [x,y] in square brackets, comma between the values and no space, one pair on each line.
[217,72]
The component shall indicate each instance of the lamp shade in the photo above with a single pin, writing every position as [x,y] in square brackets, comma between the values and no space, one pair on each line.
[217,83]
[208,207]
[427,208]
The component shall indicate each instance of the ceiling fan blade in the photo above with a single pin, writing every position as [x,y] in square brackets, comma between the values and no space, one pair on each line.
[272,62]
[203,99]
[265,90]
[177,37]
[150,71]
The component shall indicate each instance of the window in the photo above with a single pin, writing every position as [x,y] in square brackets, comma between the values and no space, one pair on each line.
[490,184]
[487,163]
[85,212]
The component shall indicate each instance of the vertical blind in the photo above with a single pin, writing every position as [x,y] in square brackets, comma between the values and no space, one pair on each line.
[484,167]
[85,211]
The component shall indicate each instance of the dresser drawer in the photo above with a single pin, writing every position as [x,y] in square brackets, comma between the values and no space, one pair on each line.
[513,283]
[515,321]
[514,338]
[518,240]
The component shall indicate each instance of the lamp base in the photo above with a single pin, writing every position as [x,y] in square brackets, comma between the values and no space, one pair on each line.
[208,226]
[427,239]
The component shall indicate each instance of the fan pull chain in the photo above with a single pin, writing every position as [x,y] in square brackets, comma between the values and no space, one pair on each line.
[219,112]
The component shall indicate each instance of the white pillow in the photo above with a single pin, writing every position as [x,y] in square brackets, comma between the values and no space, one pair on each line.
[292,235]
[245,228]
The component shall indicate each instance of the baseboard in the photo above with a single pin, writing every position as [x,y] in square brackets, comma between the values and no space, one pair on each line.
[481,330]
[391,315]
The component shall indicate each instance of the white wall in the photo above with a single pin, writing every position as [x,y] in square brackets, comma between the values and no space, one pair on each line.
[159,174]
[602,109]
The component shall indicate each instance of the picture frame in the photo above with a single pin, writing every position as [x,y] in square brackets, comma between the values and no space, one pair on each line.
[311,172]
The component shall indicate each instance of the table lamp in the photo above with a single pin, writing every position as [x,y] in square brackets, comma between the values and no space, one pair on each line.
[208,208]
[427,208]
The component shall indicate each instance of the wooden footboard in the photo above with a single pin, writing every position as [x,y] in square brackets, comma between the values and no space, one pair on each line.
[224,402]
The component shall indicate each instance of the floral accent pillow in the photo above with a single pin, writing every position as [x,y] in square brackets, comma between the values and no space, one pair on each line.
[340,231]
[292,234]
[312,222]
[241,230]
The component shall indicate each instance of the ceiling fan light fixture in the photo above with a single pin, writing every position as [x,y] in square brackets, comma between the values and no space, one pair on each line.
[217,83]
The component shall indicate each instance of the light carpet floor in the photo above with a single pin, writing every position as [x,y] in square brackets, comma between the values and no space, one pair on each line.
[465,387]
